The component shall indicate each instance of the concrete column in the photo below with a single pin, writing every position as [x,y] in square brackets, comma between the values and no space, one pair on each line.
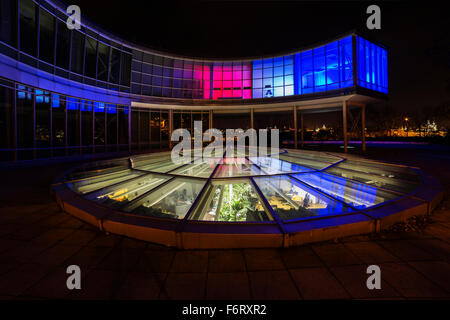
[344,124]
[363,129]
[301,130]
[295,128]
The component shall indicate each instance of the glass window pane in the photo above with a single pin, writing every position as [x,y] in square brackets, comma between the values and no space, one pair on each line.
[172,200]
[91,57]
[63,46]
[77,52]
[46,37]
[28,27]
[103,62]
[290,199]
[231,202]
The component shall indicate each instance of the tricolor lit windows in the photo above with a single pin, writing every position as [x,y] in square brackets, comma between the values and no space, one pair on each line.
[372,66]
[324,68]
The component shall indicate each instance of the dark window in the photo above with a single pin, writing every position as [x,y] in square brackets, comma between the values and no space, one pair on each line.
[155,128]
[25,123]
[8,21]
[42,118]
[144,129]
[164,129]
[103,62]
[6,122]
[111,125]
[134,128]
[123,125]
[77,52]
[46,37]
[114,66]
[58,120]
[63,46]
[28,27]
[99,128]
[87,122]
[126,69]
[91,57]
[73,122]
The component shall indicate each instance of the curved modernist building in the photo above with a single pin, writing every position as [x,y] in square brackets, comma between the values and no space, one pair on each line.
[66,92]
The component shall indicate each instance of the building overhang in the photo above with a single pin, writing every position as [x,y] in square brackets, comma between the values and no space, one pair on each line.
[311,105]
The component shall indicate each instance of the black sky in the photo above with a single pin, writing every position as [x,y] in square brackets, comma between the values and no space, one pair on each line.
[417,34]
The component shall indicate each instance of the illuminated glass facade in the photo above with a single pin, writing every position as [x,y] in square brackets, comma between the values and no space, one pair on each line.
[66,92]
[372,66]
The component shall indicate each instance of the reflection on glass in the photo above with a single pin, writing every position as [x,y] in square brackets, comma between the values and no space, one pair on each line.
[306,162]
[351,192]
[161,165]
[202,169]
[271,165]
[234,167]
[385,176]
[290,199]
[231,202]
[119,195]
[172,200]
[102,180]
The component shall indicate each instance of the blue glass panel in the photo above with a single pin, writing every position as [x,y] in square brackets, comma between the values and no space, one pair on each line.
[111,108]
[278,92]
[278,61]
[288,90]
[55,100]
[257,73]
[257,83]
[307,73]
[72,104]
[257,64]
[278,81]
[288,60]
[278,71]
[298,74]
[332,65]
[319,68]
[346,61]
[268,63]
[289,69]
[288,80]
[268,73]
[86,105]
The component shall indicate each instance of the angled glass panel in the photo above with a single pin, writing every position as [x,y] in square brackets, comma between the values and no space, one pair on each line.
[235,201]
[235,167]
[356,194]
[202,169]
[102,180]
[305,162]
[315,156]
[290,199]
[159,165]
[172,200]
[120,194]
[394,178]
[272,165]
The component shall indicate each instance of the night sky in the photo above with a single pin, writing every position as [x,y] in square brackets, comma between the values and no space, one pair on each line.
[417,34]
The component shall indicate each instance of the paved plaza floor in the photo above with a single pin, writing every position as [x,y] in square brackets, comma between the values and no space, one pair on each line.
[38,241]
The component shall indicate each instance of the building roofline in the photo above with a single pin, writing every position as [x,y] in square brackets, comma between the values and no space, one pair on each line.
[87,23]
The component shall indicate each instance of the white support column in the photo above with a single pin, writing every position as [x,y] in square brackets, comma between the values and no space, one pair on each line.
[344,124]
